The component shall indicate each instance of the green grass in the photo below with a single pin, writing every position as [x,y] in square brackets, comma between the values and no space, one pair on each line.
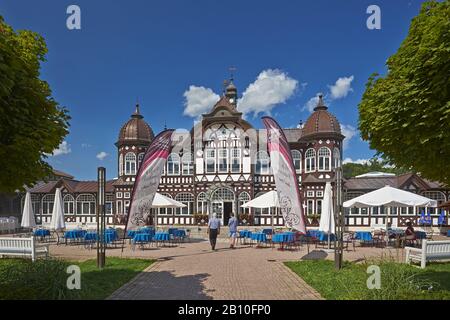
[46,279]
[398,281]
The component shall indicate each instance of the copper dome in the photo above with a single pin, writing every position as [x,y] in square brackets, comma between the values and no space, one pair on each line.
[136,129]
[321,121]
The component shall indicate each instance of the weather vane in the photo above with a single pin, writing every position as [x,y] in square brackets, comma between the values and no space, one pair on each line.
[232,70]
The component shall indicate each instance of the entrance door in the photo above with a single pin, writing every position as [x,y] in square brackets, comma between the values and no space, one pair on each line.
[217,208]
[227,210]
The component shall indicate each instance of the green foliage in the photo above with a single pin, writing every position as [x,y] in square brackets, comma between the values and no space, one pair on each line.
[354,169]
[406,114]
[398,281]
[46,279]
[32,124]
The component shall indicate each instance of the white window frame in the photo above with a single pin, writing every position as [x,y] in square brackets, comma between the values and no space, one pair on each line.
[310,160]
[324,159]
[210,160]
[173,165]
[262,165]
[297,160]
[236,154]
[222,160]
[188,164]
[130,163]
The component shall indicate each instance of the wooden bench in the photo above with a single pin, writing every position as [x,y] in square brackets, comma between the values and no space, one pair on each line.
[24,247]
[431,251]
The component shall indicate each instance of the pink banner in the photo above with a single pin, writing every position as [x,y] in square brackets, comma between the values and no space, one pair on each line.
[285,176]
[147,179]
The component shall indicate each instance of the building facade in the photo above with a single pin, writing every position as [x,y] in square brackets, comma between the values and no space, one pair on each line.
[222,163]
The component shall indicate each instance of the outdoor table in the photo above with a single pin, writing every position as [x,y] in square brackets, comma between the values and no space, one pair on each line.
[420,235]
[74,234]
[363,235]
[283,238]
[172,230]
[110,236]
[141,239]
[245,234]
[162,236]
[259,237]
[181,234]
[313,233]
[324,237]
[268,231]
[90,236]
[131,233]
[448,233]
[42,233]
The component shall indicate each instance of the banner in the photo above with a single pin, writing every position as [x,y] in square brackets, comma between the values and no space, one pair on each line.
[285,176]
[147,179]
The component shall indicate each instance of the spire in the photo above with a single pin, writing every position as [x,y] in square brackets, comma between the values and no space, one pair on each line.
[137,112]
[320,104]
[231,90]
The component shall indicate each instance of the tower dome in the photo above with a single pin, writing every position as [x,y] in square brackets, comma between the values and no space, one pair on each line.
[136,130]
[321,122]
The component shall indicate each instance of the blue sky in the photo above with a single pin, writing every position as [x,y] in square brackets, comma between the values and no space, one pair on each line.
[156,51]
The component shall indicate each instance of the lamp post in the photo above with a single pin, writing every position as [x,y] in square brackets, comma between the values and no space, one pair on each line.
[101,218]
[339,219]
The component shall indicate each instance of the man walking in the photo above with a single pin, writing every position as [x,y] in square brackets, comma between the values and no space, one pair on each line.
[232,225]
[213,230]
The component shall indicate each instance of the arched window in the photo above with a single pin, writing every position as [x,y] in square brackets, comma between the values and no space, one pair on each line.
[188,164]
[188,200]
[336,158]
[140,158]
[173,164]
[324,161]
[130,163]
[223,194]
[202,203]
[310,160]
[262,163]
[47,203]
[86,204]
[69,204]
[210,159]
[120,164]
[244,197]
[297,158]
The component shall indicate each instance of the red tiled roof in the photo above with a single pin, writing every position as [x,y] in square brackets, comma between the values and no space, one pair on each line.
[72,186]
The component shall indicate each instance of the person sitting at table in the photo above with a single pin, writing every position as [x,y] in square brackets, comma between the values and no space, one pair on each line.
[232,224]
[410,233]
[390,231]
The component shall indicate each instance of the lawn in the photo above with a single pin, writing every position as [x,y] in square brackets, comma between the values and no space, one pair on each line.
[398,281]
[46,279]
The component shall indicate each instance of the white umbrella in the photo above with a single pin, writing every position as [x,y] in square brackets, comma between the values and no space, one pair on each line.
[28,220]
[389,196]
[327,216]
[57,222]
[267,200]
[160,201]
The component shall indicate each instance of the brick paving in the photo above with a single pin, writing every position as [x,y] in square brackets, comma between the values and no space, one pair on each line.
[192,271]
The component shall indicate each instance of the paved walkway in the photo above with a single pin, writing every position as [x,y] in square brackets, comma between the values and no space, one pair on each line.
[240,274]
[193,271]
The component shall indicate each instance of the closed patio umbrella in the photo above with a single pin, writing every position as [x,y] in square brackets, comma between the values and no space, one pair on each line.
[58,222]
[28,220]
[327,224]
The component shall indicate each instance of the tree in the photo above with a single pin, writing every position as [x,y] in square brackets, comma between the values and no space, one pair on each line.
[406,114]
[32,124]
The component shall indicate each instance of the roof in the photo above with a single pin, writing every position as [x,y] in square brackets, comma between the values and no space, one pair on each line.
[374,182]
[376,174]
[72,186]
[292,135]
[321,121]
[136,129]
[63,174]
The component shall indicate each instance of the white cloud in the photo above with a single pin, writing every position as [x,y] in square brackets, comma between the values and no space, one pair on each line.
[311,104]
[341,88]
[270,88]
[349,132]
[199,100]
[359,161]
[102,155]
[64,148]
